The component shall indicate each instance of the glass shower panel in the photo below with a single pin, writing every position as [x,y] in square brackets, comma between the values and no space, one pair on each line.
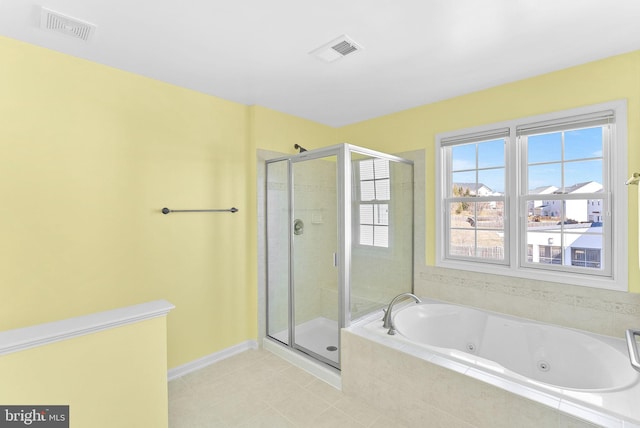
[315,242]
[277,225]
[382,232]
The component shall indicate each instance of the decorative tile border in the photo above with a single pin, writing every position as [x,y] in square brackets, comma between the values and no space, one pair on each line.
[525,297]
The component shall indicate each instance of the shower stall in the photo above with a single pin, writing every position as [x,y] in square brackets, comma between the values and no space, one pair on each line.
[339,243]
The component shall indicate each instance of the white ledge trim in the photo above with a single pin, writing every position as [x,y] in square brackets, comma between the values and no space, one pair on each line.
[42,334]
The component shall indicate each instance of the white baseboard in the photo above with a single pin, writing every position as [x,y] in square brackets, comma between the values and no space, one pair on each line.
[194,365]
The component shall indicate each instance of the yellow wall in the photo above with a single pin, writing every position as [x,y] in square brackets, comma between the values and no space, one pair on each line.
[88,157]
[610,79]
[278,132]
[113,378]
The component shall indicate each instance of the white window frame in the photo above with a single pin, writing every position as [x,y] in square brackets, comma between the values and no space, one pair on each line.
[515,247]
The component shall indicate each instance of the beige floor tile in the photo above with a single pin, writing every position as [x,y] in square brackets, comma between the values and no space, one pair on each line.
[278,392]
[178,387]
[325,391]
[359,411]
[237,408]
[385,422]
[332,418]
[268,418]
[301,408]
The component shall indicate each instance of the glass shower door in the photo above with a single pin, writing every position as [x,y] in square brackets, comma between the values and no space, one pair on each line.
[314,292]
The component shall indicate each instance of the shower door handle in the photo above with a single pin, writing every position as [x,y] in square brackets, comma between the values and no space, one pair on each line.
[335,259]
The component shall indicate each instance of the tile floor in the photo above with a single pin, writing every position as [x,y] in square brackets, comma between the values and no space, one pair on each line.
[259,389]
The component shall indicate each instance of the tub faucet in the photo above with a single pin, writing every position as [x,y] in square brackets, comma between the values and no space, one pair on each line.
[388,322]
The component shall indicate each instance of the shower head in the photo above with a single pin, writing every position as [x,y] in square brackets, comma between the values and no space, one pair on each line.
[299,147]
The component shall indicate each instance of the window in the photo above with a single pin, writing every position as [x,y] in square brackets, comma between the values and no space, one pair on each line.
[475,198]
[537,197]
[551,255]
[588,257]
[374,199]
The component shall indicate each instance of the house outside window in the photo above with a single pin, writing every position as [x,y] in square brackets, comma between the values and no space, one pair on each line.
[537,197]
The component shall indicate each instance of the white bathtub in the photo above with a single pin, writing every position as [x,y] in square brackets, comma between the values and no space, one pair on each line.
[584,374]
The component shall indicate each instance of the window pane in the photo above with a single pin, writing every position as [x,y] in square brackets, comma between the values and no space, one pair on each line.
[545,245]
[490,215]
[589,244]
[366,235]
[462,243]
[490,245]
[543,176]
[550,254]
[492,179]
[576,173]
[381,168]
[464,181]
[462,214]
[366,169]
[491,154]
[544,148]
[366,214]
[583,143]
[463,157]
[367,191]
[383,189]
[586,257]
[381,236]
[576,213]
[381,214]
[595,209]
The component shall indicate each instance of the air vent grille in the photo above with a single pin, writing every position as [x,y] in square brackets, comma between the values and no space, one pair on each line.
[59,23]
[336,49]
[344,48]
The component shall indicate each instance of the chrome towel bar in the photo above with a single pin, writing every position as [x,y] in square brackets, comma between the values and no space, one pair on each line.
[633,348]
[167,211]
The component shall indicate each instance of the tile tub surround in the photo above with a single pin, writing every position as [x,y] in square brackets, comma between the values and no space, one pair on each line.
[599,311]
[395,376]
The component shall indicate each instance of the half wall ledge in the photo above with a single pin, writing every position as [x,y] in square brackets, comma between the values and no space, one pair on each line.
[43,334]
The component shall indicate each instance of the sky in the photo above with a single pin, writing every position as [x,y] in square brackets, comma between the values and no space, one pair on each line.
[578,159]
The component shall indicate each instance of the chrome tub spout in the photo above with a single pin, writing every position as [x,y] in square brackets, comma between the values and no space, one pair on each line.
[388,321]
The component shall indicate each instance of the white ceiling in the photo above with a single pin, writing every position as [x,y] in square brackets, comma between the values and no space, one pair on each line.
[415,51]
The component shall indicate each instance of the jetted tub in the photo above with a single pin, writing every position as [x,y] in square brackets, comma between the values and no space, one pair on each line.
[590,374]
[543,353]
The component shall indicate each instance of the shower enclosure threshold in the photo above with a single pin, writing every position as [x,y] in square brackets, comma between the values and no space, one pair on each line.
[305,362]
[319,335]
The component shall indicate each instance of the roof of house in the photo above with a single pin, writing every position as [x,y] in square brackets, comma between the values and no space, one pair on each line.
[579,188]
[543,190]
[473,187]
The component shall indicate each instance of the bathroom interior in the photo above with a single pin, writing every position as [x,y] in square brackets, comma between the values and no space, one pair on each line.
[106,300]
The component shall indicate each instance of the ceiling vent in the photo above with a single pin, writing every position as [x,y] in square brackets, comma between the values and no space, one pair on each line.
[336,49]
[54,21]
